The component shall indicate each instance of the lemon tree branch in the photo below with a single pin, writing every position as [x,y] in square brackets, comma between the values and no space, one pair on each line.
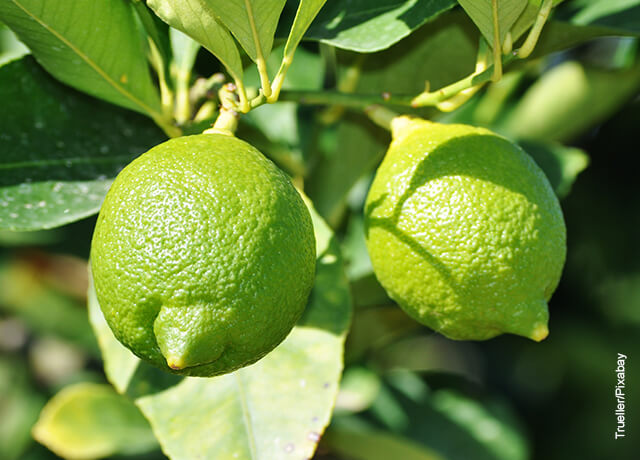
[361,101]
[279,78]
[446,98]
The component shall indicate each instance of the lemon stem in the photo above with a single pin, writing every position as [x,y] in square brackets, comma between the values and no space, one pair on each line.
[466,94]
[264,78]
[278,81]
[244,105]
[532,39]
[362,101]
[226,123]
[175,363]
[381,116]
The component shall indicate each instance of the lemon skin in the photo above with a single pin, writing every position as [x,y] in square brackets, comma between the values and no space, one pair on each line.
[464,231]
[203,255]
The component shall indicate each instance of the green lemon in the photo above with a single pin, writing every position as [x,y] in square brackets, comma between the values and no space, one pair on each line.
[203,255]
[465,232]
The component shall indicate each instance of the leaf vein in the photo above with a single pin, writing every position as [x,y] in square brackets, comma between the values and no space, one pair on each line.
[254,30]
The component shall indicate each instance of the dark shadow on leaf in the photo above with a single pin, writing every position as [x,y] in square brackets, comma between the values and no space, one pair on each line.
[547,160]
[386,59]
[148,380]
[329,305]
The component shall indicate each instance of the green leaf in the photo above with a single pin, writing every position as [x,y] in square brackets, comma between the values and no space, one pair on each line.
[252,22]
[377,325]
[358,443]
[568,99]
[372,25]
[196,19]
[20,404]
[88,420]
[23,292]
[620,15]
[360,146]
[439,54]
[557,36]
[447,422]
[49,204]
[358,389]
[78,42]
[274,409]
[276,131]
[355,248]
[489,423]
[481,12]
[307,12]
[560,164]
[59,148]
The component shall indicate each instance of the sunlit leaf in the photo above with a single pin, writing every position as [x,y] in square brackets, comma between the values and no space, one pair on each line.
[373,25]
[307,12]
[68,39]
[88,420]
[481,11]
[196,19]
[252,22]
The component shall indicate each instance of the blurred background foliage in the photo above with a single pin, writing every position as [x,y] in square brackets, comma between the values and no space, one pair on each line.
[407,393]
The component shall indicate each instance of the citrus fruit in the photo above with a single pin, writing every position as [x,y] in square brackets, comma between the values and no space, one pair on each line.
[464,231]
[203,255]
